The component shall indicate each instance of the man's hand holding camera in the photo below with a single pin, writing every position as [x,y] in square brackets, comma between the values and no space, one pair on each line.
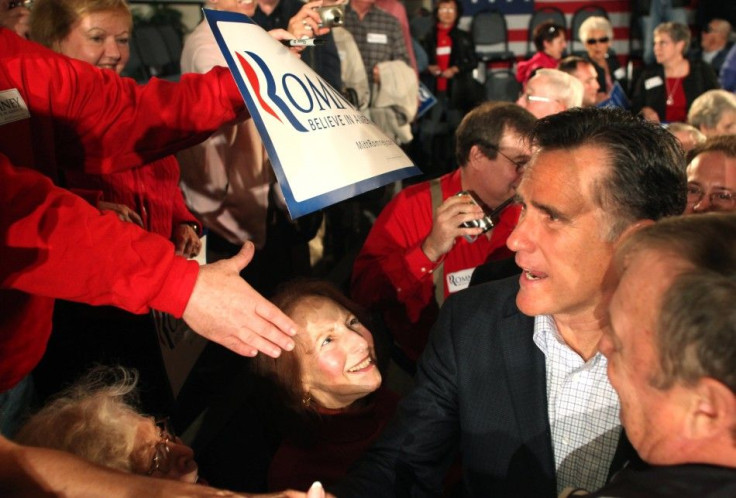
[448,219]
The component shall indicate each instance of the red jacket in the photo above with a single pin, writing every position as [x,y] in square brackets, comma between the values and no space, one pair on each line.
[538,61]
[59,113]
[392,274]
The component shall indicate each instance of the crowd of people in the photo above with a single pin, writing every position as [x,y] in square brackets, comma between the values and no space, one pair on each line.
[547,312]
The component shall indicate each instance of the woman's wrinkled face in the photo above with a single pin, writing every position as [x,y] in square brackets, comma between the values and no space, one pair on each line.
[100,38]
[175,459]
[337,357]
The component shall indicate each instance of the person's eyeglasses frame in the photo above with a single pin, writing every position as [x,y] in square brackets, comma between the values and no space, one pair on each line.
[722,198]
[487,145]
[162,451]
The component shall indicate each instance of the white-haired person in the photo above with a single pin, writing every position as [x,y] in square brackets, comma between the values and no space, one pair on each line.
[95,419]
[714,113]
[596,34]
[688,135]
[551,91]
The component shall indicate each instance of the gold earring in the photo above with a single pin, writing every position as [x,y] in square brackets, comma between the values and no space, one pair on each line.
[307,399]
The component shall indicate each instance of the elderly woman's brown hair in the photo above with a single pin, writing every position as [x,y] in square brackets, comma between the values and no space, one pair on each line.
[285,371]
[52,20]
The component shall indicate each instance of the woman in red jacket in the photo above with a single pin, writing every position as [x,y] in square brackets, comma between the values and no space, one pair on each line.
[98,32]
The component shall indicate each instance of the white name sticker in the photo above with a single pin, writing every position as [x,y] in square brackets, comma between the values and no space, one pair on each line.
[381,38]
[444,50]
[619,73]
[12,107]
[459,280]
[653,82]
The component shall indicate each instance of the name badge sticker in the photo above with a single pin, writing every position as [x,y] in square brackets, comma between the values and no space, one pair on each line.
[459,280]
[653,82]
[381,38]
[12,106]
[444,50]
[619,73]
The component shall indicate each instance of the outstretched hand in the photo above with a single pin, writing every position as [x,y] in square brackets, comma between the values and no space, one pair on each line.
[224,308]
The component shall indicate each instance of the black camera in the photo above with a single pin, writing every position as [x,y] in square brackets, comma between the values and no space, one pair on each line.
[486,222]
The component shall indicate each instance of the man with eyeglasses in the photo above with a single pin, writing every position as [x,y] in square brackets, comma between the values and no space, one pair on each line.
[419,250]
[711,176]
[551,91]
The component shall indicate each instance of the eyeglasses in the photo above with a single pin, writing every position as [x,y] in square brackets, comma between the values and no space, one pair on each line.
[161,461]
[596,41]
[535,98]
[723,199]
[520,165]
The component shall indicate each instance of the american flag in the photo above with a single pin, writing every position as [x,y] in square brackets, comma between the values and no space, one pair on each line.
[519,12]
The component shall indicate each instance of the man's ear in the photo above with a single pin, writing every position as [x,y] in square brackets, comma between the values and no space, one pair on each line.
[633,228]
[476,157]
[712,413]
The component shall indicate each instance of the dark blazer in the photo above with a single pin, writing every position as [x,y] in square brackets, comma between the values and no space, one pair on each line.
[480,390]
[700,79]
[462,86]
[617,74]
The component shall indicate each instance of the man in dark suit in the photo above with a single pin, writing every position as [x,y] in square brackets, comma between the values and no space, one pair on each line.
[512,378]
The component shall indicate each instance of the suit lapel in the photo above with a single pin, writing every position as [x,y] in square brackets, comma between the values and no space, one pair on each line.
[526,374]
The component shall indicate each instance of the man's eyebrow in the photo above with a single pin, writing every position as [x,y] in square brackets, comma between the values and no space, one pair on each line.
[550,211]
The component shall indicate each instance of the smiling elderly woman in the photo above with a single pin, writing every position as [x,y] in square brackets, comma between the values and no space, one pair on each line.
[331,385]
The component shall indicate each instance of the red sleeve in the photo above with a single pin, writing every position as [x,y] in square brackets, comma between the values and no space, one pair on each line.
[180,213]
[57,245]
[99,122]
[391,265]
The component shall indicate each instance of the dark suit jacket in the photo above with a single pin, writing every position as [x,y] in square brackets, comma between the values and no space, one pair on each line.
[481,390]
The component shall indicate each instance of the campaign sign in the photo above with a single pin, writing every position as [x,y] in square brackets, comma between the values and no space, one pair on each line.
[426,100]
[321,148]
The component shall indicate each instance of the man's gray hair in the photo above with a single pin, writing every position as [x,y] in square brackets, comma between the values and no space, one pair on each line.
[565,88]
[708,109]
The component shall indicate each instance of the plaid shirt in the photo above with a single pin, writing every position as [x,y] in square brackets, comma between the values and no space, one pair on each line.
[378,36]
[583,410]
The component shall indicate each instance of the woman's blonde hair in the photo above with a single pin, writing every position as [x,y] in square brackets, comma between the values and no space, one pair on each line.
[92,419]
[52,20]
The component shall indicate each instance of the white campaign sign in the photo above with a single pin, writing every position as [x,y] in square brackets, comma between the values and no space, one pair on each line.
[321,148]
